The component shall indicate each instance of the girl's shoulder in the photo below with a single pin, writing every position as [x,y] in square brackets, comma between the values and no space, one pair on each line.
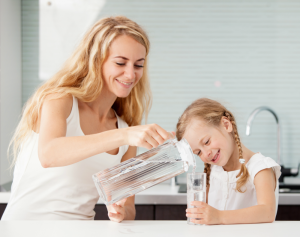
[260,162]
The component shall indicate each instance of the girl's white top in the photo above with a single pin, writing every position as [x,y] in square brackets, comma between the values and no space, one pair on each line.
[62,193]
[222,194]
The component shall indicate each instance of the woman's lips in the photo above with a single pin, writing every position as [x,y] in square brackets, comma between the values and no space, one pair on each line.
[124,84]
[216,158]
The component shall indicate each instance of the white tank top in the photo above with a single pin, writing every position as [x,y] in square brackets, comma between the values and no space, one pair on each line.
[63,193]
[222,194]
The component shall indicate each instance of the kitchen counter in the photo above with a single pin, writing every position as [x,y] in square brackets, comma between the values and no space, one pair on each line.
[143,228]
[166,194]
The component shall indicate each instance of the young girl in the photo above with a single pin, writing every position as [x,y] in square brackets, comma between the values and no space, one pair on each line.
[242,186]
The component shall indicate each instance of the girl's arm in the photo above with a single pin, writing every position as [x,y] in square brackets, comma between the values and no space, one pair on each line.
[264,211]
[124,209]
[55,149]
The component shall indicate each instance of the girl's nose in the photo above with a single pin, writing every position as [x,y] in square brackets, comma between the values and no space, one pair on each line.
[207,154]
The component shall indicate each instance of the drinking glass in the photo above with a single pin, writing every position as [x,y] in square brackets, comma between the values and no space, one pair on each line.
[196,190]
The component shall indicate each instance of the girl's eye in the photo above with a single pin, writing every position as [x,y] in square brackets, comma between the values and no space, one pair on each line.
[207,142]
[199,153]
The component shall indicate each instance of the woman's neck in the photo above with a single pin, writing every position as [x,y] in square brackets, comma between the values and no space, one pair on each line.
[103,103]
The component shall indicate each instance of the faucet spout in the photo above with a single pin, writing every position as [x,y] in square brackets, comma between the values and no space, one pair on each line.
[251,118]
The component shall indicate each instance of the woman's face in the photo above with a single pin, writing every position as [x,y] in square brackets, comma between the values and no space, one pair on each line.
[214,145]
[124,66]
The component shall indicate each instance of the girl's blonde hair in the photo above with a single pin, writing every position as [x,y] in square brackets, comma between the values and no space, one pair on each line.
[81,76]
[212,112]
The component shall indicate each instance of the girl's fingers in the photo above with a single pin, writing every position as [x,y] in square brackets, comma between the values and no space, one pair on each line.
[198,204]
[194,215]
[195,210]
[202,222]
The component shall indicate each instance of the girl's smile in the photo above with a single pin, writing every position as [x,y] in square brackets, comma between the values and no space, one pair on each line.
[216,157]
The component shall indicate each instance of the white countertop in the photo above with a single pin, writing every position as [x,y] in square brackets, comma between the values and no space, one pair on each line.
[143,229]
[166,194]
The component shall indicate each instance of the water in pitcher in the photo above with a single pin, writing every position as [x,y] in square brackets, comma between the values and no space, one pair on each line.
[148,169]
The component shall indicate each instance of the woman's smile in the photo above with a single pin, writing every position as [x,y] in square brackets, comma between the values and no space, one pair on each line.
[124,84]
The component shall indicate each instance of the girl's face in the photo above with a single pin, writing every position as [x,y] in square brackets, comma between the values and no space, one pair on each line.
[214,145]
[124,66]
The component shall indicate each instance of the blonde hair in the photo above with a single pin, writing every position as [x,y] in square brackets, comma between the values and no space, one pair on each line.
[212,112]
[81,76]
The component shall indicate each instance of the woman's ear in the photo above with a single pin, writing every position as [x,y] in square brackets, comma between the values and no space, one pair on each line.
[226,123]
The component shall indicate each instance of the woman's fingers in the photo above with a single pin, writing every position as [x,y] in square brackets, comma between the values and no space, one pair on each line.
[115,216]
[148,136]
[121,202]
[118,208]
[152,141]
[162,132]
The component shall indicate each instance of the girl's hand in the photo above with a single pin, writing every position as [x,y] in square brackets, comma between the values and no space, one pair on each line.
[116,211]
[207,214]
[147,136]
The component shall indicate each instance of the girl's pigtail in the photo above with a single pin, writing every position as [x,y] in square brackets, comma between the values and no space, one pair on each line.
[243,174]
[207,171]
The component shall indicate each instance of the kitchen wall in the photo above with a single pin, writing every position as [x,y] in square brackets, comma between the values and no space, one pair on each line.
[243,53]
[10,78]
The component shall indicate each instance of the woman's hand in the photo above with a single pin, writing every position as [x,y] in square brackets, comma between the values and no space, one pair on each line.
[147,136]
[116,211]
[207,214]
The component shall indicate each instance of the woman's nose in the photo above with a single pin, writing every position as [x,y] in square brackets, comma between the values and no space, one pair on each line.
[129,72]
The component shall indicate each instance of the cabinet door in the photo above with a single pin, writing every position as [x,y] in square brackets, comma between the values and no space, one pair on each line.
[2,209]
[170,212]
[290,213]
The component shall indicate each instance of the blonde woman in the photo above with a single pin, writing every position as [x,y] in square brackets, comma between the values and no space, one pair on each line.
[81,121]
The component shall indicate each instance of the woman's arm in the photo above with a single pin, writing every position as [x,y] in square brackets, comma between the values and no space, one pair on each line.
[55,149]
[264,211]
[124,209]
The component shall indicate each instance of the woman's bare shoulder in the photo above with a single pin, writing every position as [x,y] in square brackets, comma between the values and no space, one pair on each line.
[55,106]
[59,102]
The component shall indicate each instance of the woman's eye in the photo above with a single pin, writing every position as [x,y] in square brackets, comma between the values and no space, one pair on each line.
[120,64]
[207,142]
[198,153]
[139,66]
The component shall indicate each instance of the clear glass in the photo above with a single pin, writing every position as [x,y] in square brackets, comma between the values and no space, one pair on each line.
[143,171]
[196,190]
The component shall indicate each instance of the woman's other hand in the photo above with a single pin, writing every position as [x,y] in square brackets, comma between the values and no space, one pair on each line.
[116,211]
[147,136]
[202,213]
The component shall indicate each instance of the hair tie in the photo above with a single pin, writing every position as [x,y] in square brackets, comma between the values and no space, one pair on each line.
[242,161]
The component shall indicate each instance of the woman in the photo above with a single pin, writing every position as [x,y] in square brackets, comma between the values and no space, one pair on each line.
[76,124]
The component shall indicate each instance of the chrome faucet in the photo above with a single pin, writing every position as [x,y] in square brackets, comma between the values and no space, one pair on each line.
[251,118]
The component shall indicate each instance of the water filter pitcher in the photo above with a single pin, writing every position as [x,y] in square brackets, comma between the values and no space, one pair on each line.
[144,171]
